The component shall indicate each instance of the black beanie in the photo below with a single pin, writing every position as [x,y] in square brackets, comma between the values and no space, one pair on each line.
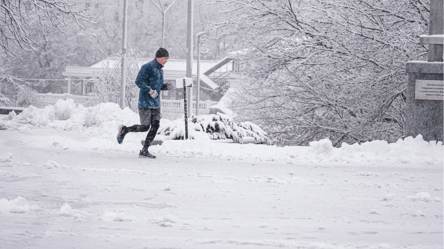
[162,53]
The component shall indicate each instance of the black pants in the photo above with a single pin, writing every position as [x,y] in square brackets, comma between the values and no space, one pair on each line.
[150,121]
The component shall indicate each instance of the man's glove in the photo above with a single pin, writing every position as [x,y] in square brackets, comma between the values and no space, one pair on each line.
[153,93]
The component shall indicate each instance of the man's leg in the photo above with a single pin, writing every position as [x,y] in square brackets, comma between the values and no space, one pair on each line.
[145,120]
[155,123]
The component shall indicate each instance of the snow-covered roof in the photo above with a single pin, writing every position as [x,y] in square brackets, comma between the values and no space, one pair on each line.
[171,65]
[174,68]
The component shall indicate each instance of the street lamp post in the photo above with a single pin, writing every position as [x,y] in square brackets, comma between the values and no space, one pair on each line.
[198,71]
[163,11]
[189,72]
[124,42]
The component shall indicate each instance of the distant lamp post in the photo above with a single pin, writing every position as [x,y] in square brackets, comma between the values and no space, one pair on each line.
[198,70]
[163,11]
[124,42]
[189,72]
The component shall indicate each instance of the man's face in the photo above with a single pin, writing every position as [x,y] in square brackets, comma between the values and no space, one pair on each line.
[162,60]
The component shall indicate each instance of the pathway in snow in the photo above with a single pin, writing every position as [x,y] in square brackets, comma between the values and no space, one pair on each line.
[54,197]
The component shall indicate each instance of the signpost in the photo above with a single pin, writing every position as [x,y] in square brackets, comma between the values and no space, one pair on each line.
[184,83]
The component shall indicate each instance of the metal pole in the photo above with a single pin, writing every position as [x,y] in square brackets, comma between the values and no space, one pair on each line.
[69,86]
[83,87]
[198,71]
[160,8]
[124,42]
[190,52]
[163,29]
[185,108]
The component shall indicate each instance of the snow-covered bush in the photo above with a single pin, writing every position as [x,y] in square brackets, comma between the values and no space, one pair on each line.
[215,127]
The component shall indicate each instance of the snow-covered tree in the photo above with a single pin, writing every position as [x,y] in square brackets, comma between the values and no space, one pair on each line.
[20,19]
[107,85]
[327,68]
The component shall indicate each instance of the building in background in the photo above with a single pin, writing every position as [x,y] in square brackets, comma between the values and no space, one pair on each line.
[214,75]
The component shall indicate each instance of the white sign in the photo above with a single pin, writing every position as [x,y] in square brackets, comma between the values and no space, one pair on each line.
[188,82]
[429,89]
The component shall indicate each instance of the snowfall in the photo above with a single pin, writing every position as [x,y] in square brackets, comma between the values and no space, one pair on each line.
[65,182]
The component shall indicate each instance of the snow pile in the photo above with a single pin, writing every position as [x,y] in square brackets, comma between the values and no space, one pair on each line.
[167,220]
[423,196]
[67,211]
[115,216]
[66,115]
[96,128]
[52,165]
[18,205]
[6,159]
[63,109]
[409,150]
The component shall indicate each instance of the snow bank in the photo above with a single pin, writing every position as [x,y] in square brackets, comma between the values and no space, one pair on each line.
[18,205]
[409,150]
[66,115]
[100,124]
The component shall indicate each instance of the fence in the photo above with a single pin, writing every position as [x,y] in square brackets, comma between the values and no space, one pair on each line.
[59,86]
[170,108]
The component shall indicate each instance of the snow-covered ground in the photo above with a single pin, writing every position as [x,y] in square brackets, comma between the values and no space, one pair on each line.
[66,183]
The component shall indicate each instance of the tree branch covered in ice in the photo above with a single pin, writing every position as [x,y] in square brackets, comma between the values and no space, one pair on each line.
[326,68]
[20,19]
[107,84]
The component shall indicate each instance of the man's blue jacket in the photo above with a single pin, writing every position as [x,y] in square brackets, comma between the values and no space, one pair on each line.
[150,77]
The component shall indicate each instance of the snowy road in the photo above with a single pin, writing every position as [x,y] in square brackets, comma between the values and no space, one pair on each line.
[53,197]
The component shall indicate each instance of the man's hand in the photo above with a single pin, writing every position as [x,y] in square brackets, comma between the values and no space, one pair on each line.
[169,86]
[153,93]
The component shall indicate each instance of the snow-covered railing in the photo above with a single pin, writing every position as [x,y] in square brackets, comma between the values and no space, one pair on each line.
[178,104]
[51,99]
[167,105]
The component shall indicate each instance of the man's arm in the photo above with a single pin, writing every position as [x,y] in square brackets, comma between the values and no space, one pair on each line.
[142,80]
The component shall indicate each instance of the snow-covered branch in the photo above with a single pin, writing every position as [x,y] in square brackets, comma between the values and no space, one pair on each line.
[20,19]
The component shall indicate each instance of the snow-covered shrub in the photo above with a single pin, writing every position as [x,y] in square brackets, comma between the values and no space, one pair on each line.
[215,127]
[26,97]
